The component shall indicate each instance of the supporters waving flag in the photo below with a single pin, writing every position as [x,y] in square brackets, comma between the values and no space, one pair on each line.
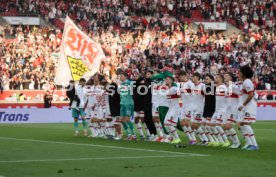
[80,56]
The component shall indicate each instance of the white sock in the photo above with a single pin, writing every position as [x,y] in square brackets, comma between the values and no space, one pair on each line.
[251,134]
[97,129]
[192,133]
[246,135]
[187,132]
[159,129]
[146,129]
[216,133]
[209,134]
[111,129]
[234,136]
[222,133]
[229,136]
[202,134]
[198,134]
[173,132]
[92,128]
[212,134]
[103,128]
[139,128]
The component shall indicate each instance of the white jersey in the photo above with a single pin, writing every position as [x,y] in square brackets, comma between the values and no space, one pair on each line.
[173,97]
[198,97]
[154,99]
[232,97]
[102,105]
[221,101]
[99,95]
[239,84]
[186,94]
[90,99]
[248,87]
[159,95]
[81,95]
[106,107]
[174,112]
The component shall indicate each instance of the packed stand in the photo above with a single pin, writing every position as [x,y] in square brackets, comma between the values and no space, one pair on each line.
[245,14]
[206,52]
[28,61]
[140,34]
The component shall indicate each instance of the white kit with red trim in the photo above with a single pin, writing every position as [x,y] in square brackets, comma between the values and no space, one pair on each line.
[233,102]
[250,109]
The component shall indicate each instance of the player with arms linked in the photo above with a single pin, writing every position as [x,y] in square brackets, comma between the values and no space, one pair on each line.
[248,108]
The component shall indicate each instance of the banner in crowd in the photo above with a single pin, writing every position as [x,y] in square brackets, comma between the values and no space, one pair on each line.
[22,20]
[213,25]
[80,56]
[12,116]
[33,115]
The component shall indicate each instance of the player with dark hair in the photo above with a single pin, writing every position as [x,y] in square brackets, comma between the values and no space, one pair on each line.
[248,108]
[160,105]
[186,86]
[138,97]
[79,111]
[126,105]
[152,129]
[89,102]
[174,112]
[198,106]
[232,97]
[96,99]
[114,104]
[219,117]
[71,94]
[209,108]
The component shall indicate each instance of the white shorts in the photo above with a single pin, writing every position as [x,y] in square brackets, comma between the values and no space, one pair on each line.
[139,114]
[239,116]
[88,113]
[248,117]
[116,120]
[205,120]
[231,118]
[196,117]
[155,111]
[218,118]
[172,116]
[101,113]
[186,113]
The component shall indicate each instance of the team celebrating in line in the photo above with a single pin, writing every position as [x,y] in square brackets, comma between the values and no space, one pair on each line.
[206,110]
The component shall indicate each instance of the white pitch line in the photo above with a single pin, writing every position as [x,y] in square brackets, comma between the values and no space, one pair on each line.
[92,158]
[103,146]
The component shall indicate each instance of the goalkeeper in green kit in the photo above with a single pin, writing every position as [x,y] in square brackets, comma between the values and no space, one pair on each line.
[126,106]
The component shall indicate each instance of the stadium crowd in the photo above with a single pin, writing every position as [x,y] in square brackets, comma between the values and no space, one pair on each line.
[143,35]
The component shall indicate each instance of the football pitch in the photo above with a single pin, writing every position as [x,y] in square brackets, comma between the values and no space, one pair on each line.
[51,150]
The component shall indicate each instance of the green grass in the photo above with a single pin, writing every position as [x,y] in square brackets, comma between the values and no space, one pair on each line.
[22,156]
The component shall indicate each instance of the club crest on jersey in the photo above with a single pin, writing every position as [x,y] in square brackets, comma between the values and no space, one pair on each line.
[247,114]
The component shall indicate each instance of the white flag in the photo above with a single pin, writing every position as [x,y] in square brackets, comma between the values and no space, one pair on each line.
[80,56]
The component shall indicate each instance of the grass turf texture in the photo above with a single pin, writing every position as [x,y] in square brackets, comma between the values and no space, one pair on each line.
[51,150]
